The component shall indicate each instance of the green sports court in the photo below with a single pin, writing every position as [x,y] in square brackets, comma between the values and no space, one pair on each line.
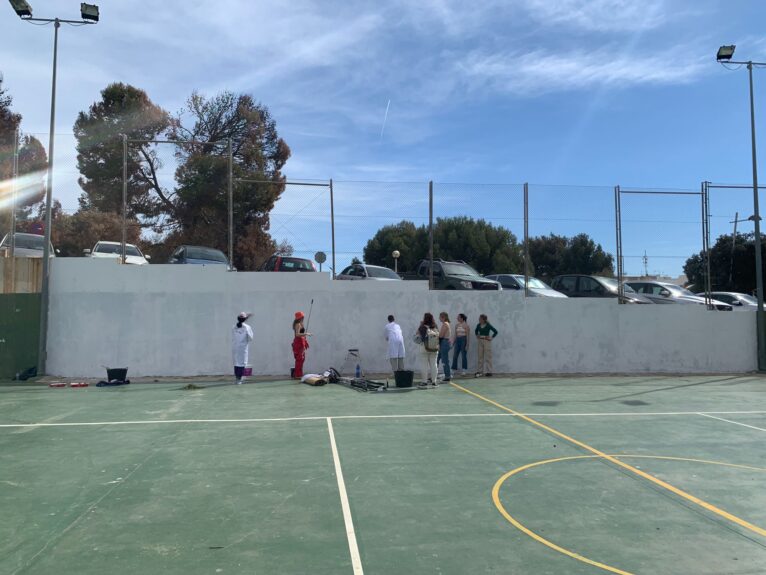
[538,475]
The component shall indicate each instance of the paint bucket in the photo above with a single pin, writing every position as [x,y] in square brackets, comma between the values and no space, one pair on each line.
[78,384]
[57,384]
[248,371]
[403,378]
[118,373]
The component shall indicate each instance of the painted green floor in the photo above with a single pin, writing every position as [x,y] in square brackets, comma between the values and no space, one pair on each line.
[231,479]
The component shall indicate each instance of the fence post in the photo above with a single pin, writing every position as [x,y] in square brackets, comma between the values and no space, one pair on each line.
[231,205]
[14,181]
[618,231]
[526,239]
[332,227]
[123,250]
[431,235]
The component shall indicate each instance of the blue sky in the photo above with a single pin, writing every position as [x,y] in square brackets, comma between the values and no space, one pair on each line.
[573,96]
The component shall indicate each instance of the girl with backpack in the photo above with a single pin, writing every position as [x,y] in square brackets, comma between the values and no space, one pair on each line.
[428,337]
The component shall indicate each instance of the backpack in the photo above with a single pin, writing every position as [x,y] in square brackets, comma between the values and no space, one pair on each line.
[432,340]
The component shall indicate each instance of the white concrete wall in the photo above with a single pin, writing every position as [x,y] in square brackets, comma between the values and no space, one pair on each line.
[164,320]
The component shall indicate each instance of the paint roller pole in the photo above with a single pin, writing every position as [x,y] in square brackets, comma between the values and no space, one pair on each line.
[308,320]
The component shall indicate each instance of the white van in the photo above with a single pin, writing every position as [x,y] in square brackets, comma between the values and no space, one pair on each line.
[25,246]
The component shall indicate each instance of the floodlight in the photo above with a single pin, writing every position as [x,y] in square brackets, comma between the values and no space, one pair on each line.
[89,12]
[22,8]
[725,52]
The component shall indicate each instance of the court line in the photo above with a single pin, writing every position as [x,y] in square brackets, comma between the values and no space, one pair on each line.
[391,416]
[547,542]
[730,421]
[679,492]
[356,560]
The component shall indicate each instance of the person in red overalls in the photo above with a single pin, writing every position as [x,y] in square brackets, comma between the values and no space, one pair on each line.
[300,345]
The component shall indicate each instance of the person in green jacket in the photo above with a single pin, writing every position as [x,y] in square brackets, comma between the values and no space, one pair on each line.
[485,333]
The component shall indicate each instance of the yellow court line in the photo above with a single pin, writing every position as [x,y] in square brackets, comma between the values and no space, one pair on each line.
[551,544]
[683,494]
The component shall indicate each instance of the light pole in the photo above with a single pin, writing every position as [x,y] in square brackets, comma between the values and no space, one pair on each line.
[395,254]
[89,15]
[724,56]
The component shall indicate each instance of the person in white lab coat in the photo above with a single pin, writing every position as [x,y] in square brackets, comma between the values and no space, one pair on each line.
[395,344]
[241,336]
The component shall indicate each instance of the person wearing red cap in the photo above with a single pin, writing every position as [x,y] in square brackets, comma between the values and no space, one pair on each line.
[241,336]
[300,345]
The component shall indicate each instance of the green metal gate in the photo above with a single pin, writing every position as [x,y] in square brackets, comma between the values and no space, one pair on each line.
[19,332]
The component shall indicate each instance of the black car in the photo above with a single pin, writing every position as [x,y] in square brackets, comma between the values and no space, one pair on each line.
[580,285]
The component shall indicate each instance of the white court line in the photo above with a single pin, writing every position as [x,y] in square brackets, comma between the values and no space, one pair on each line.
[356,560]
[730,421]
[392,416]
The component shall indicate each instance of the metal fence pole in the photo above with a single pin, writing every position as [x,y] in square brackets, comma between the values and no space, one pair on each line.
[124,256]
[431,235]
[42,351]
[14,182]
[332,227]
[526,239]
[231,204]
[618,231]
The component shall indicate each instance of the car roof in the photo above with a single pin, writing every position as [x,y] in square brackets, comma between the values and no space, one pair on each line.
[114,243]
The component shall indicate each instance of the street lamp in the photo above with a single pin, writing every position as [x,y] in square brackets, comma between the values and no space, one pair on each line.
[724,56]
[89,15]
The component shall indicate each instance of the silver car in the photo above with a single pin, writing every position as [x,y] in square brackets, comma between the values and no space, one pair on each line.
[367,272]
[537,288]
[739,301]
[664,292]
[25,246]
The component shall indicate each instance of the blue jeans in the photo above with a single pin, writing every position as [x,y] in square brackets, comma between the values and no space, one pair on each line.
[444,356]
[461,347]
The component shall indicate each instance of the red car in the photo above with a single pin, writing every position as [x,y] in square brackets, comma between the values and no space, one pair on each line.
[287,264]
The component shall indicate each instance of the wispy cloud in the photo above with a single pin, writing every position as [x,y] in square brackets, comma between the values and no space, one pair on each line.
[600,15]
[542,71]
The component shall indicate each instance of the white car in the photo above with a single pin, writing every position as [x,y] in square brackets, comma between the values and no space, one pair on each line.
[25,246]
[537,288]
[114,250]
[739,301]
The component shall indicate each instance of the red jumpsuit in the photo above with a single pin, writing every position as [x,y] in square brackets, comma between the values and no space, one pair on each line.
[300,345]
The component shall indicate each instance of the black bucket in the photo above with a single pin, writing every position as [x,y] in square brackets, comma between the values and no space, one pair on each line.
[118,373]
[403,378]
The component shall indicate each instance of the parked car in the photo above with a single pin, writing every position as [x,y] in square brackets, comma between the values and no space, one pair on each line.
[287,264]
[368,272]
[198,255]
[25,246]
[664,292]
[537,288]
[580,285]
[738,301]
[452,275]
[104,249]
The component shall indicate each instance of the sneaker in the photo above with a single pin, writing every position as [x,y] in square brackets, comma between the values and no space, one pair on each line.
[422,385]
[435,384]
[487,375]
[446,379]
[239,382]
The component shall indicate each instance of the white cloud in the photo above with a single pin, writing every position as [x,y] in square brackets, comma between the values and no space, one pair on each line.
[600,15]
[543,71]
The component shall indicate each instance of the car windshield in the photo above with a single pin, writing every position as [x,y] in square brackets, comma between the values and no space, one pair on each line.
[209,254]
[30,241]
[459,270]
[611,285]
[117,249]
[748,298]
[384,273]
[678,290]
[294,264]
[533,282]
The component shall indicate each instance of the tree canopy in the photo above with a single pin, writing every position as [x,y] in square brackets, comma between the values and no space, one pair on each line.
[552,255]
[488,248]
[730,271]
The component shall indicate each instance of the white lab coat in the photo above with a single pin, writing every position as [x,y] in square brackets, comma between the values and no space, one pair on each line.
[240,343]
[395,340]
